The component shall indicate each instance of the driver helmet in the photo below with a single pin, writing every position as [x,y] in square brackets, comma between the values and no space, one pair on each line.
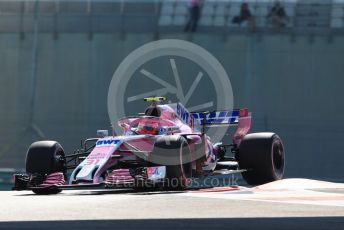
[148,127]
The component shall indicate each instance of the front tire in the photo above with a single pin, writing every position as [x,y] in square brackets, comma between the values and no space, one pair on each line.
[44,158]
[174,152]
[262,155]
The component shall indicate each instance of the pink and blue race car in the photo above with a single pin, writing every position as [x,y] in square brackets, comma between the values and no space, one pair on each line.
[165,147]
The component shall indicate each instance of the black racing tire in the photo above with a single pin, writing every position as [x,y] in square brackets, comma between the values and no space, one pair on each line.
[262,155]
[47,191]
[179,169]
[44,158]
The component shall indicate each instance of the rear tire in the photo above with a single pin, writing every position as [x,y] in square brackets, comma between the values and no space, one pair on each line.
[262,155]
[44,158]
[174,149]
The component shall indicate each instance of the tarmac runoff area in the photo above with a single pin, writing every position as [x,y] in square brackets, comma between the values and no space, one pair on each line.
[285,204]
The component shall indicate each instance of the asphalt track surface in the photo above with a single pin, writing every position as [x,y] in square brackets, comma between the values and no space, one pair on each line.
[286,204]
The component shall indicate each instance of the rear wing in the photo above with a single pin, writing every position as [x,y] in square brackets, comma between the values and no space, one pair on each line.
[238,117]
[220,118]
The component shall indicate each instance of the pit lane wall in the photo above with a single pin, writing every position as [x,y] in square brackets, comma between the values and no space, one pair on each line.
[292,85]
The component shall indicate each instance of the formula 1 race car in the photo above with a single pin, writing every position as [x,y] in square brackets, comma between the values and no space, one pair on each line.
[166,146]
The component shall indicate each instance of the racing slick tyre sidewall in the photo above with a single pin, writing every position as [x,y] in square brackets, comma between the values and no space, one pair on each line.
[178,176]
[262,155]
[44,158]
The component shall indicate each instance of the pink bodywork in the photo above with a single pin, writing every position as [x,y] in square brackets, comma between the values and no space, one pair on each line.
[168,119]
[169,122]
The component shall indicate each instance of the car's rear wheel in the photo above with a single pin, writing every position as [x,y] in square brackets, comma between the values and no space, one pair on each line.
[262,155]
[44,158]
[174,152]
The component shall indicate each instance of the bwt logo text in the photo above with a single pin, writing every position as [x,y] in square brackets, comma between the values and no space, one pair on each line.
[107,142]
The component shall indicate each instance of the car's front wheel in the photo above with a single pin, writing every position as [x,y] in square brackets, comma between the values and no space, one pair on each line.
[45,158]
[174,152]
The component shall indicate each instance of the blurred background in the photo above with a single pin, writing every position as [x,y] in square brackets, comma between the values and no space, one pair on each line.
[57,59]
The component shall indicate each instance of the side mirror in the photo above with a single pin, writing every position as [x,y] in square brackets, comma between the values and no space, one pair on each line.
[102,133]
